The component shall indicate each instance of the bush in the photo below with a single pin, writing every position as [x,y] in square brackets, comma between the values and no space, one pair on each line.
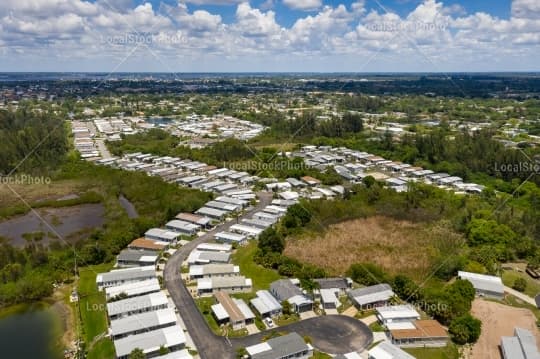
[520,284]
[465,329]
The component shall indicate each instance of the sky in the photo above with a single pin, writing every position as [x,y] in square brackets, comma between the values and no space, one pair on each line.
[269,35]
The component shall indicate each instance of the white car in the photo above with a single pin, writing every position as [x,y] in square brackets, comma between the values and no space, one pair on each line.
[269,322]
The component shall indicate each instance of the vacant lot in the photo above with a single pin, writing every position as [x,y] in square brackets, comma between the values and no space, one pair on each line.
[398,246]
[261,277]
[498,320]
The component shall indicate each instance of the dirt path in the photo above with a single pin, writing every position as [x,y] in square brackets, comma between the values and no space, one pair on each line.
[66,315]
[498,320]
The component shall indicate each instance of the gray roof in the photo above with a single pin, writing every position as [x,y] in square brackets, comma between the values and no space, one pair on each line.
[372,294]
[284,289]
[137,255]
[330,283]
[130,274]
[511,348]
[283,346]
[150,341]
[136,303]
[265,302]
[482,282]
[388,350]
[528,343]
[142,321]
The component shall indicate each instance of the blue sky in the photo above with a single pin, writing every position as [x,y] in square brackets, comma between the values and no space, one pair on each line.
[269,35]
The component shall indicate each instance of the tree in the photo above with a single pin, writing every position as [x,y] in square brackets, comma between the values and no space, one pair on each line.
[520,284]
[286,307]
[137,354]
[270,240]
[163,350]
[465,329]
[368,181]
[367,273]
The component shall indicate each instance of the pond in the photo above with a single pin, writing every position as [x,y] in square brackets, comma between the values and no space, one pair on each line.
[31,332]
[69,222]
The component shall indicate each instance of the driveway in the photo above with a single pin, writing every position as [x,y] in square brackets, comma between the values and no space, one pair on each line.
[524,297]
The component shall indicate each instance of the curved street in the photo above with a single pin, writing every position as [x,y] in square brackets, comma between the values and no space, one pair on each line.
[334,333]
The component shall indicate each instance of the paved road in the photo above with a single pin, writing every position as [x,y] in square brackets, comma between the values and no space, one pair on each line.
[336,334]
[522,296]
[209,345]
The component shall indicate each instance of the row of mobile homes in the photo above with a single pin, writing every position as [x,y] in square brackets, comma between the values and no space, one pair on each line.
[151,342]
[234,284]
[134,289]
[123,276]
[143,322]
[135,305]
[136,258]
[213,271]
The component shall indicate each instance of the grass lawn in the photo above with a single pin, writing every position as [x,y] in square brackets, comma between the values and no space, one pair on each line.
[93,312]
[448,352]
[205,306]
[103,348]
[286,319]
[261,277]
[319,355]
[376,327]
[533,286]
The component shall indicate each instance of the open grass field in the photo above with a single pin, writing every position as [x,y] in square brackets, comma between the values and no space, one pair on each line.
[449,352]
[93,313]
[261,277]
[32,192]
[533,285]
[397,246]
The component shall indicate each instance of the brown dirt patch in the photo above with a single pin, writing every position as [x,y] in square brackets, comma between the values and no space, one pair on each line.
[397,246]
[498,320]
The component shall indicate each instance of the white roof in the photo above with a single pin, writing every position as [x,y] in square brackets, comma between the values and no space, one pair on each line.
[391,312]
[299,300]
[387,350]
[220,312]
[218,247]
[180,354]
[136,303]
[230,236]
[258,348]
[151,341]
[483,282]
[135,288]
[265,302]
[142,321]
[248,230]
[329,296]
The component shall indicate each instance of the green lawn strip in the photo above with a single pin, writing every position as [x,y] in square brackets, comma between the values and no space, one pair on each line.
[205,306]
[93,308]
[448,352]
[533,286]
[261,277]
[102,349]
